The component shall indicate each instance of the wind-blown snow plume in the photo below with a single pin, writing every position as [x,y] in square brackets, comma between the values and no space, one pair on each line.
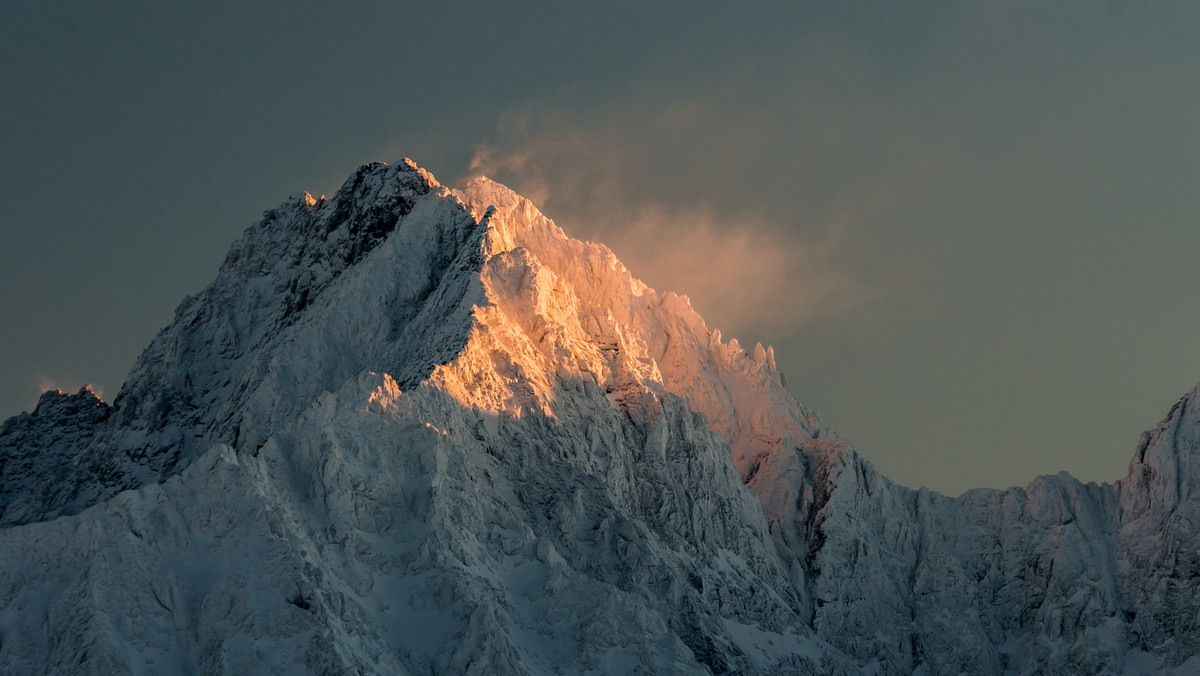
[743,274]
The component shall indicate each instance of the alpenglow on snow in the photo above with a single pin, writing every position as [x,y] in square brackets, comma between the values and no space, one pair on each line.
[416,430]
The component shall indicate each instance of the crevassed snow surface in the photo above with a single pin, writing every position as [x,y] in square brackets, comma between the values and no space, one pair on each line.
[416,430]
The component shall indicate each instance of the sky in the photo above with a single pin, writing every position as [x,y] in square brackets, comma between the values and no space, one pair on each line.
[968,229]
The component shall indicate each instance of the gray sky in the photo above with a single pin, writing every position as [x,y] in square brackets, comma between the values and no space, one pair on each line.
[968,229]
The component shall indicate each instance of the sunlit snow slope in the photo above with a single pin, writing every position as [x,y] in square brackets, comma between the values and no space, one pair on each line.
[416,430]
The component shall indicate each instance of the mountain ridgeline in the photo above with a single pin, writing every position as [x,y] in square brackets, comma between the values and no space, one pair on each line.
[417,430]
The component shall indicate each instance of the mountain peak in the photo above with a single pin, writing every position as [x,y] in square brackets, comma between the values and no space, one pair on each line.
[414,430]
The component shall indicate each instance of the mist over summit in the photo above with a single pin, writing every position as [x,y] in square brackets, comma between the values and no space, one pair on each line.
[410,429]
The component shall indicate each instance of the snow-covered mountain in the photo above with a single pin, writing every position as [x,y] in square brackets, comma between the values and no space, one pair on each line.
[417,430]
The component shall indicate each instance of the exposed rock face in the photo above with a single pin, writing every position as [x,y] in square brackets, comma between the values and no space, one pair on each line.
[416,430]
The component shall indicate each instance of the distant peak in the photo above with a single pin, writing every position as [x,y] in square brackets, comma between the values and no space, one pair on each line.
[54,402]
[482,192]
[513,221]
[483,181]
